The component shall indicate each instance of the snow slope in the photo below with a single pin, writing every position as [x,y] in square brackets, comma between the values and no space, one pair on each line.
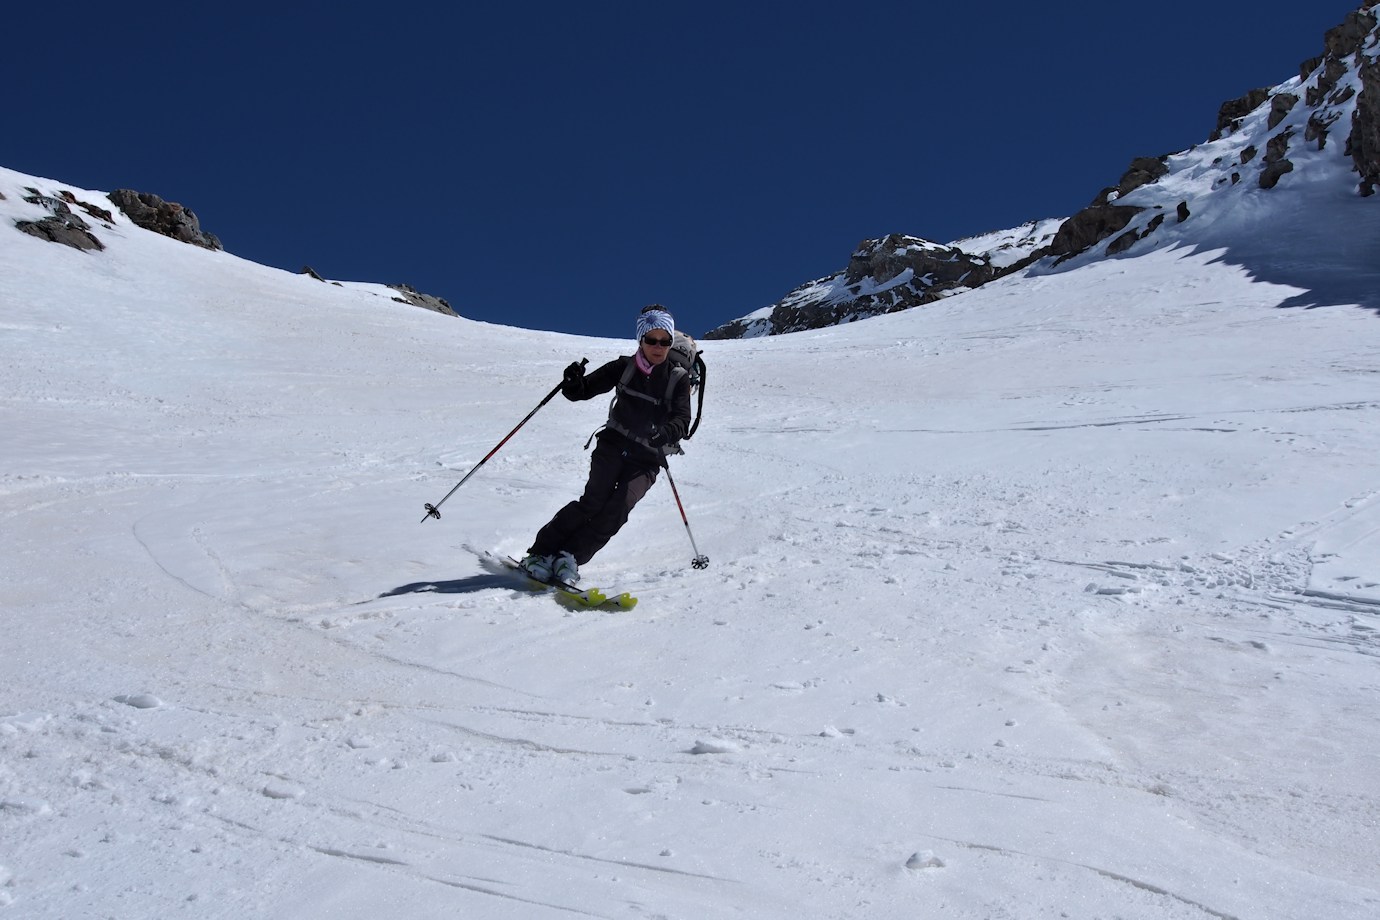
[1059,598]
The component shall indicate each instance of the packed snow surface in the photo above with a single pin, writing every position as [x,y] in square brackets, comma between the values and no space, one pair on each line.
[1059,598]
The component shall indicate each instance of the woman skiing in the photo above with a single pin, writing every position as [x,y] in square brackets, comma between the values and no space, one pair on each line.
[650,411]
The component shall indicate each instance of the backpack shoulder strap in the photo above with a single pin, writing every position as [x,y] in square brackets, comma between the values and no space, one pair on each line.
[699,408]
[674,378]
[623,388]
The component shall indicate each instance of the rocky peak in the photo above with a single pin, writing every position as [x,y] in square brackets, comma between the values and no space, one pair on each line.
[895,272]
[1291,123]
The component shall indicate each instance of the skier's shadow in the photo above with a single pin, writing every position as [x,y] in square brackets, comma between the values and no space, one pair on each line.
[470,585]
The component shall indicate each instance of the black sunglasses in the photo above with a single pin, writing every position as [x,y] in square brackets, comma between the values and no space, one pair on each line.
[656,343]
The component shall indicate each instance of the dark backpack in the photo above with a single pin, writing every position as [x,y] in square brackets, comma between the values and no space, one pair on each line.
[685,354]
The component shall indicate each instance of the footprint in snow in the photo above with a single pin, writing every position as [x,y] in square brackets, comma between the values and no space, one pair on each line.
[714,747]
[925,859]
[140,700]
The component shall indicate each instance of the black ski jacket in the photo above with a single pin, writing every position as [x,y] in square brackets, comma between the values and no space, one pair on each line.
[640,410]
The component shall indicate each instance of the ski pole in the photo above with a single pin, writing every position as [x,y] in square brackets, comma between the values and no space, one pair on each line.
[701,561]
[433,511]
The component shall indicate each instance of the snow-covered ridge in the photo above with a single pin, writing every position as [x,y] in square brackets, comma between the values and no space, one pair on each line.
[85,220]
[1300,145]
[1004,248]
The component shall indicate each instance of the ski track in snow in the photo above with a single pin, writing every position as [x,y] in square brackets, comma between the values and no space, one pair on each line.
[1056,599]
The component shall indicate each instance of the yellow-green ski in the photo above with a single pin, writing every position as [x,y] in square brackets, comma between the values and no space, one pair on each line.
[587,598]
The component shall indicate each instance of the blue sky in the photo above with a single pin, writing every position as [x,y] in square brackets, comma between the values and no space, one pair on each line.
[556,166]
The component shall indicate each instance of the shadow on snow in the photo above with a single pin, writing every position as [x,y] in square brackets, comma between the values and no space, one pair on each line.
[470,585]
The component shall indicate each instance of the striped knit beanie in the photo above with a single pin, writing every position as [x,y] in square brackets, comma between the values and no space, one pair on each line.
[654,317]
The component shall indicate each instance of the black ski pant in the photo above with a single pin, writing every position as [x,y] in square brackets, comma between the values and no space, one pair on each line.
[616,484]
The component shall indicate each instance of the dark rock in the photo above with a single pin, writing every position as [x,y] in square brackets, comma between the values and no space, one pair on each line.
[1276,160]
[1318,125]
[57,230]
[426,301]
[1364,143]
[98,213]
[1183,211]
[1125,241]
[1233,110]
[1333,70]
[61,226]
[1089,227]
[1122,243]
[1143,171]
[166,217]
[308,270]
[1280,106]
[1346,39]
[885,259]
[1270,175]
[1278,146]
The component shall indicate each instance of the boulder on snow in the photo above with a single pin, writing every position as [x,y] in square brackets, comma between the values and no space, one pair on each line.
[1089,227]
[1276,161]
[61,225]
[411,295]
[166,217]
[1281,104]
[1142,171]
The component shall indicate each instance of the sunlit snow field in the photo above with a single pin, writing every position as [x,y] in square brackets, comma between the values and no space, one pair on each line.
[1060,598]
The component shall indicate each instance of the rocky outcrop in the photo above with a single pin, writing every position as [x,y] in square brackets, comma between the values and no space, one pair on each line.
[880,261]
[885,275]
[1347,39]
[1231,113]
[1364,143]
[411,295]
[1103,218]
[1089,227]
[61,225]
[1353,44]
[406,294]
[166,217]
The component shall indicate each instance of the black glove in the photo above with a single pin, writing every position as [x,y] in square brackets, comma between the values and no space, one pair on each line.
[575,372]
[658,436]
